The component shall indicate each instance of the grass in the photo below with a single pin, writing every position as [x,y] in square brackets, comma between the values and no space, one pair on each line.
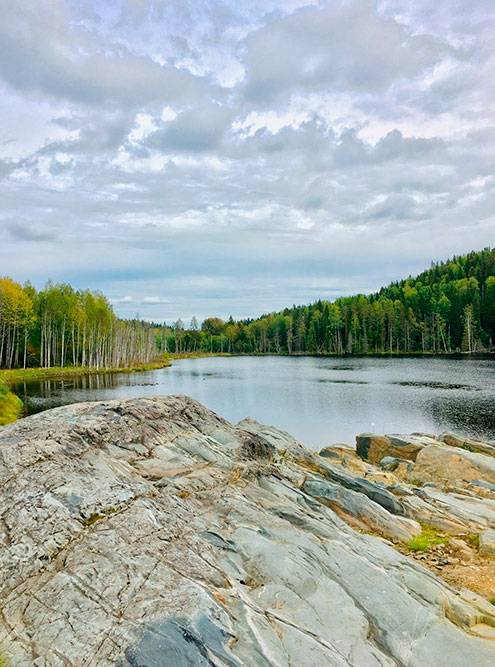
[491,599]
[14,375]
[196,355]
[10,407]
[427,539]
[91,520]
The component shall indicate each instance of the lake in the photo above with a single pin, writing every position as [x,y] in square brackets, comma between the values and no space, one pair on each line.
[319,400]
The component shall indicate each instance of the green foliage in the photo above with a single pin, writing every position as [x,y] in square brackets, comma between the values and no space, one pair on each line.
[10,408]
[448,308]
[428,538]
[59,326]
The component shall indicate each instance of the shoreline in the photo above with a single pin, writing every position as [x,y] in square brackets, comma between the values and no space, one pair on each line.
[332,355]
[12,376]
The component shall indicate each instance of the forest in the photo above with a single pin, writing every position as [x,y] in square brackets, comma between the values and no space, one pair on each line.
[59,326]
[448,308]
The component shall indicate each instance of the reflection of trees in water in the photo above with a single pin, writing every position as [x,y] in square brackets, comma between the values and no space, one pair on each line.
[44,394]
[474,416]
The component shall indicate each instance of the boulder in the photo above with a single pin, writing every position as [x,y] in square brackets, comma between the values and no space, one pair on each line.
[487,543]
[371,447]
[347,479]
[481,484]
[211,554]
[330,453]
[374,448]
[445,464]
[389,463]
[393,464]
[468,444]
[473,512]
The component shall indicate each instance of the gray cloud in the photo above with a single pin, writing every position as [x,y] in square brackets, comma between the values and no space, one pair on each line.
[345,46]
[349,145]
[41,52]
[199,129]
[25,232]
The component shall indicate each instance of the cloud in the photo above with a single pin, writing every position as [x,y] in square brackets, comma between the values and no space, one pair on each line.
[232,158]
[193,130]
[343,46]
[42,52]
[25,232]
[146,300]
[395,207]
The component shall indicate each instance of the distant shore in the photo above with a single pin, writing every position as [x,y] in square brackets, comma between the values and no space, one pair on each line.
[333,355]
[14,375]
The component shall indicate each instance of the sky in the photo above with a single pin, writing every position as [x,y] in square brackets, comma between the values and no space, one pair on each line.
[194,157]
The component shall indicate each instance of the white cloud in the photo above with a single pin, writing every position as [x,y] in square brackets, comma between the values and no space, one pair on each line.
[196,150]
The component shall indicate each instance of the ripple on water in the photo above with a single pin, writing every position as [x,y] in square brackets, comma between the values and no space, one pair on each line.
[438,385]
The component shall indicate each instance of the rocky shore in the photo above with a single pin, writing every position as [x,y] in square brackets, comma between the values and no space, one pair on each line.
[153,533]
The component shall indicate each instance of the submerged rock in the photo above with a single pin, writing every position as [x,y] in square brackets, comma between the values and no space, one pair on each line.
[152,532]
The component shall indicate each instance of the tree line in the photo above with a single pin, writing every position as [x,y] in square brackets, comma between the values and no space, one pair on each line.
[449,307]
[60,326]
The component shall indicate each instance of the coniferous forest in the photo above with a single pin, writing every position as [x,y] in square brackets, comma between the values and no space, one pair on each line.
[448,308]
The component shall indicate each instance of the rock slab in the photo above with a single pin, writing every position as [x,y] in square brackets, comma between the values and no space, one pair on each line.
[152,532]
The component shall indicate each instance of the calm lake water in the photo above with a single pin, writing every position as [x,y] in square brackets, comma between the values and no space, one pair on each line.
[319,400]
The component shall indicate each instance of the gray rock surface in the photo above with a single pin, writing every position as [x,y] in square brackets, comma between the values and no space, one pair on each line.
[367,513]
[152,533]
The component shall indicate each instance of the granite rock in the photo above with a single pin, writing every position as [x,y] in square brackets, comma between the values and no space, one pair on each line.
[152,532]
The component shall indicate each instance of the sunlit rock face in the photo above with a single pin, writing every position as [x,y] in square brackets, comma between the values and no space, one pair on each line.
[152,532]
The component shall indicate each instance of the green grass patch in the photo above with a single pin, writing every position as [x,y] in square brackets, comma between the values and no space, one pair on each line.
[10,407]
[428,538]
[14,375]
[198,355]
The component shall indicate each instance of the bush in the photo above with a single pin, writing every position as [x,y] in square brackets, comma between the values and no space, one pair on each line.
[10,406]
